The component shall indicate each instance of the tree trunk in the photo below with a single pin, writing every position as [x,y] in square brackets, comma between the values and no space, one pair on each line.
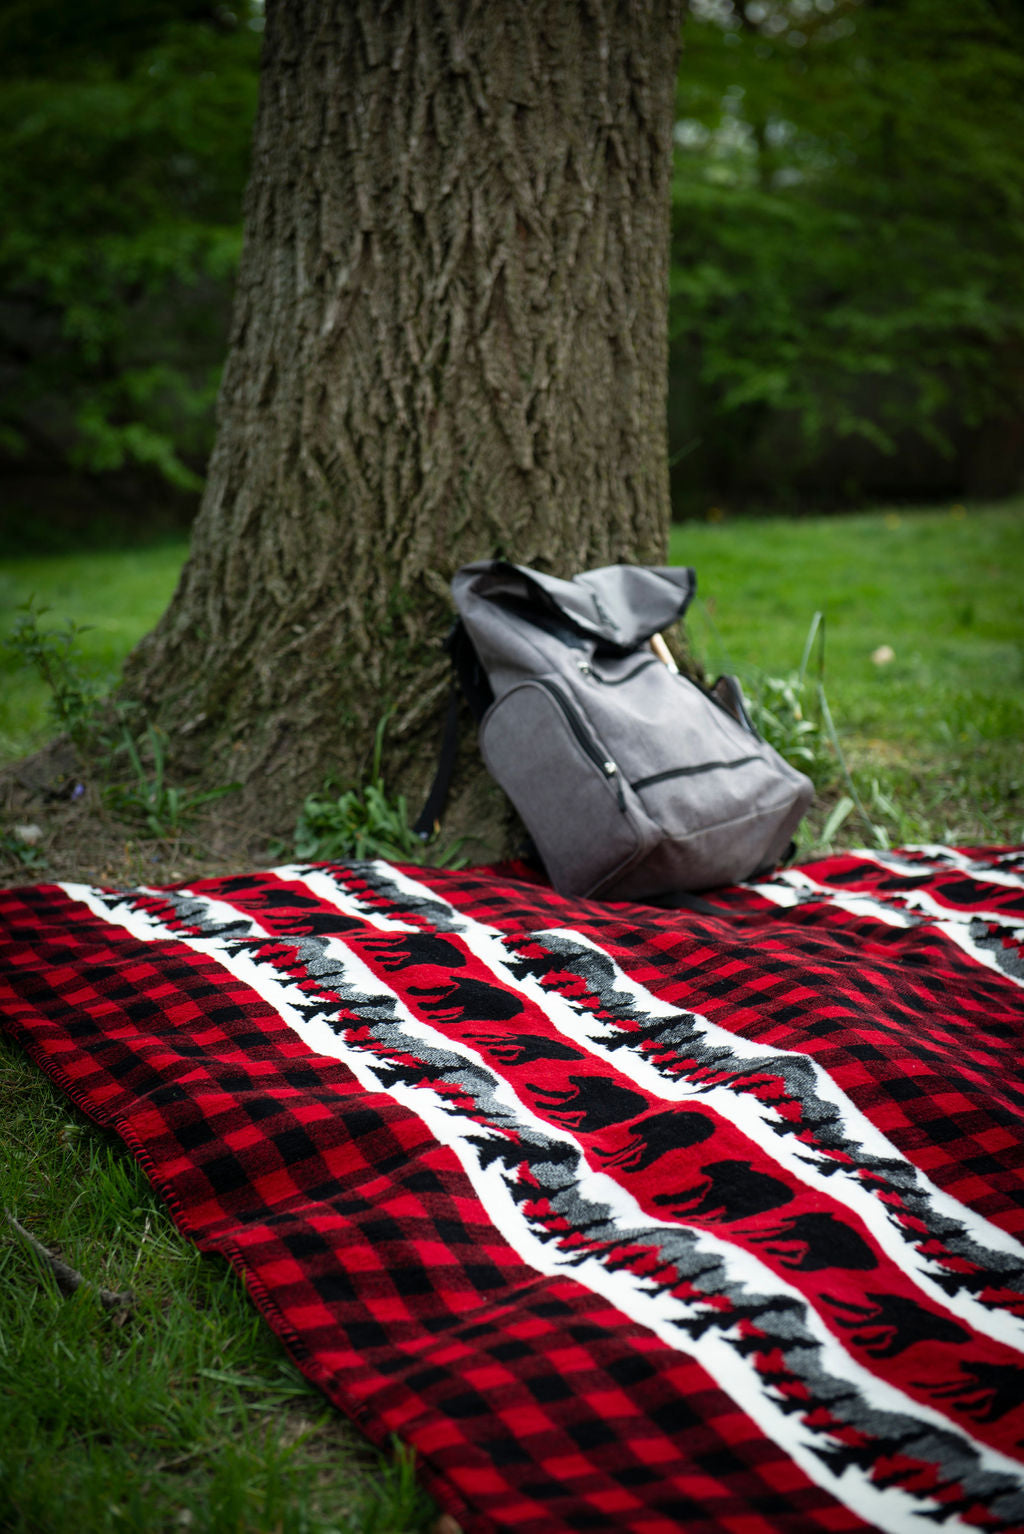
[449,343]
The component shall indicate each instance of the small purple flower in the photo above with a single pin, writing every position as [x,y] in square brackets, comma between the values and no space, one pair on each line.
[78,791]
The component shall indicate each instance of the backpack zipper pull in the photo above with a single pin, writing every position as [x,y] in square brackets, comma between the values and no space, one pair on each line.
[611,771]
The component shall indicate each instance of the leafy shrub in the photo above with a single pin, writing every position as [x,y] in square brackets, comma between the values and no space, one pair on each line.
[53,655]
[778,707]
[364,822]
[153,805]
[78,707]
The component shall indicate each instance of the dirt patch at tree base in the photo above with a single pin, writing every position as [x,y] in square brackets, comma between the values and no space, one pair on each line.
[56,827]
[61,820]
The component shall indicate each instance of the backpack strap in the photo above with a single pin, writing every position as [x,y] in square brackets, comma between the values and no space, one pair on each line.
[469,672]
[469,678]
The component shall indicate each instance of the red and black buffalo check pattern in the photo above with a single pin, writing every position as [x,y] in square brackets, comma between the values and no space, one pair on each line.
[623,1218]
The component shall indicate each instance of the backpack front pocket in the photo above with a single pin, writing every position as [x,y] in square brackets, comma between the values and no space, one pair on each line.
[568,791]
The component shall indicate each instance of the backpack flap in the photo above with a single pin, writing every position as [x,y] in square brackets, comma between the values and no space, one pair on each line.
[618,606]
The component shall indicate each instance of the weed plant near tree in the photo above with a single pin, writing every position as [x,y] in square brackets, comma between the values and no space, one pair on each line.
[365,822]
[111,598]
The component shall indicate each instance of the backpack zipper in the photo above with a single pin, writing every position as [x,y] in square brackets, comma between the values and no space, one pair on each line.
[744,720]
[615,681]
[585,740]
[690,772]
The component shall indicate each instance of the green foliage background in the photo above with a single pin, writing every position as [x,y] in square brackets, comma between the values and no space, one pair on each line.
[848,247]
[847,304]
[124,146]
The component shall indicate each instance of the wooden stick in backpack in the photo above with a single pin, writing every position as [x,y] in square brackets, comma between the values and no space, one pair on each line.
[663,652]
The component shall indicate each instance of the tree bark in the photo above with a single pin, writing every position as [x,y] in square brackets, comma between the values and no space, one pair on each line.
[449,343]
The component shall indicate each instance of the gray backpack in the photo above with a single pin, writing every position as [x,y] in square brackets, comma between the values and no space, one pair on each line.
[632,780]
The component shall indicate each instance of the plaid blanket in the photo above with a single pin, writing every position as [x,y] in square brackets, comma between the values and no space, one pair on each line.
[622,1218]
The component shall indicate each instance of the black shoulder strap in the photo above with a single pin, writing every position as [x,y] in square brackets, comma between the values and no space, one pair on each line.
[472,677]
[469,675]
[430,815]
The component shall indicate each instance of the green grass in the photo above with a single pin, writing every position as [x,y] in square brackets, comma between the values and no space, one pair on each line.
[935,735]
[118,594]
[184,1415]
